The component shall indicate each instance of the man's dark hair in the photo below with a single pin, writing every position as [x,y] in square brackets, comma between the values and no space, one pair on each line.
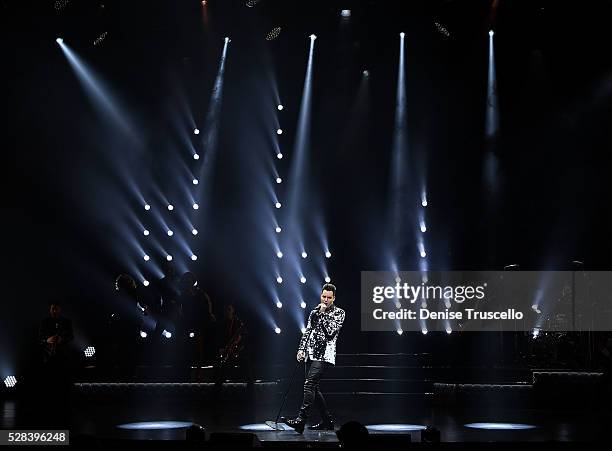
[329,287]
[55,302]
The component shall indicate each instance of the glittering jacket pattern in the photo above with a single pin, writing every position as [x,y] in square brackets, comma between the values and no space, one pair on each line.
[319,339]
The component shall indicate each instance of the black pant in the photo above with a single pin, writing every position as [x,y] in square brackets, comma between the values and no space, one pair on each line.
[312,394]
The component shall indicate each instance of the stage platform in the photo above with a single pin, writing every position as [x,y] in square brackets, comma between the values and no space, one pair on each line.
[394,396]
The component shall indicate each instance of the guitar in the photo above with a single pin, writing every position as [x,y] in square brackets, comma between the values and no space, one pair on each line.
[50,349]
[234,346]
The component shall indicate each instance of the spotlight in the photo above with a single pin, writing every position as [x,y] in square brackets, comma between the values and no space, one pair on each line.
[195,181]
[59,40]
[147,207]
[146,257]
[196,206]
[143,334]
[303,304]
[303,330]
[423,254]
[277,330]
[196,131]
[10,381]
[491,33]
[196,156]
[278,229]
[170,233]
[89,351]
[345,13]
[145,283]
[313,37]
[423,228]
[279,279]
[398,279]
[145,232]
[278,205]
[194,231]
[191,335]
[449,330]
[280,108]
[279,254]
[402,35]
[279,131]
[169,258]
[327,279]
[194,257]
[400,331]
[366,73]
[424,331]
[304,254]
[227,39]
[279,304]
[535,333]
[327,254]
[204,2]
[279,180]
[279,156]
[424,202]
[303,279]
[167,334]
[170,207]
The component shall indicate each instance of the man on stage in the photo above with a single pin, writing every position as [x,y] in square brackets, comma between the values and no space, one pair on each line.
[318,350]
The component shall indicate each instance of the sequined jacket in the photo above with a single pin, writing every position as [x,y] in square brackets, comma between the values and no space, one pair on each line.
[319,339]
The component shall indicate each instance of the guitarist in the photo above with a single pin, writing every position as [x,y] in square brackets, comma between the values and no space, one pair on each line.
[232,336]
[55,333]
[233,329]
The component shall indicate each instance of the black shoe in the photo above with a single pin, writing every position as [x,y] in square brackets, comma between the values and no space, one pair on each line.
[324,425]
[297,424]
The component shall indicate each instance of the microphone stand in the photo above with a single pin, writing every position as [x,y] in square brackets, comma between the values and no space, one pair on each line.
[274,424]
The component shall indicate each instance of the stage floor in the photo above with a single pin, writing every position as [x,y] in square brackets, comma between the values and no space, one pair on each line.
[104,420]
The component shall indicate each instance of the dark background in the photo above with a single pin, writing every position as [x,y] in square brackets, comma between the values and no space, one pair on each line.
[67,204]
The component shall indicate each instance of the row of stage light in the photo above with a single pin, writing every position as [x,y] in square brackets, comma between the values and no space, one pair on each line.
[295,229]
[195,181]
